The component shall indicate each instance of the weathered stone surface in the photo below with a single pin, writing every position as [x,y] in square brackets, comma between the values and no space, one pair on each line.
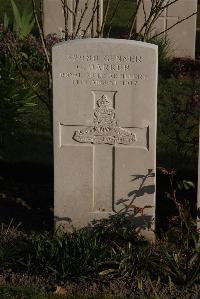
[54,21]
[105,93]
[182,36]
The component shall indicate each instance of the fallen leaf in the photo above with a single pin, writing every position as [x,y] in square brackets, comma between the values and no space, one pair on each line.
[60,290]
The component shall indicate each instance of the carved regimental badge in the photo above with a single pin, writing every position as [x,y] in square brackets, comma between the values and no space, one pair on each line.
[106,129]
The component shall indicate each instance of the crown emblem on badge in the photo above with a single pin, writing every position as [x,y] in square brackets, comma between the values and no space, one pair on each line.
[104,101]
[105,129]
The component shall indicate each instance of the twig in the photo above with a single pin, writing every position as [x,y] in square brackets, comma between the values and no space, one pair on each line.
[88,26]
[158,11]
[182,20]
[112,17]
[98,17]
[146,21]
[134,19]
[105,17]
[75,16]
[40,32]
[170,3]
[67,6]
[42,15]
[81,18]
[47,65]
[66,16]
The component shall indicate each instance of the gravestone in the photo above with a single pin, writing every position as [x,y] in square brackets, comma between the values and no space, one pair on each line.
[105,93]
[54,21]
[181,37]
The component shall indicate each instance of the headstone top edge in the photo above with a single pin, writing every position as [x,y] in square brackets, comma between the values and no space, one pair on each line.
[106,40]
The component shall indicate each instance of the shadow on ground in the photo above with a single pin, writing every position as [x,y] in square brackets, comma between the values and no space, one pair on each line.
[26,196]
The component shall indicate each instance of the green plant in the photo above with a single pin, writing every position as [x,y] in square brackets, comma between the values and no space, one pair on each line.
[81,254]
[163,51]
[23,86]
[8,252]
[23,23]
[65,255]
[180,249]
[182,266]
[16,99]
[178,114]
[135,261]
[6,21]
[132,256]
[19,293]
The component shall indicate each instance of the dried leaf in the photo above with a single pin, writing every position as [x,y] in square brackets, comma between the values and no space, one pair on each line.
[60,290]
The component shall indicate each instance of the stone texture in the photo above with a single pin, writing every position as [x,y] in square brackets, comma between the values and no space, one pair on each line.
[54,21]
[181,37]
[105,94]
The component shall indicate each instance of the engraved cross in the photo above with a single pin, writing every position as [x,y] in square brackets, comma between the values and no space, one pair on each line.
[166,18]
[104,137]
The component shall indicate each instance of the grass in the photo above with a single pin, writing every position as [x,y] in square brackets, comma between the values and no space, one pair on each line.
[22,293]
[107,257]
[32,293]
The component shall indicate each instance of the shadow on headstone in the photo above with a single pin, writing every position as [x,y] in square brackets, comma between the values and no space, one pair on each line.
[134,212]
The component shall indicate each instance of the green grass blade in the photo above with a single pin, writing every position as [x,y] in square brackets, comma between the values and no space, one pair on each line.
[17,17]
[6,21]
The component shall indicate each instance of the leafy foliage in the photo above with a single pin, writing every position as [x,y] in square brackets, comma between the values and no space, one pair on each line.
[22,23]
[16,99]
[108,248]
[180,247]
[25,54]
[178,111]
[163,52]
[79,254]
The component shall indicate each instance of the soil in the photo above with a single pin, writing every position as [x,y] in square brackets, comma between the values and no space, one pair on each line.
[117,287]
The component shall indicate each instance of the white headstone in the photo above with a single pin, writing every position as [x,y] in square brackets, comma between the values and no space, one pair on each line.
[54,21]
[182,36]
[105,93]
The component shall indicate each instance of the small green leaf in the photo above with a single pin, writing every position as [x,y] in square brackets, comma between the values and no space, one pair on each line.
[189,184]
[106,272]
[30,104]
[16,13]
[168,195]
[6,21]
